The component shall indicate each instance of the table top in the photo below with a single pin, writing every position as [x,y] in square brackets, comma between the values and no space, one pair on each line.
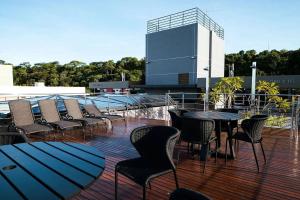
[47,170]
[215,115]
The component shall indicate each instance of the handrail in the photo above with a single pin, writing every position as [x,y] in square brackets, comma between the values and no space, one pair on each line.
[183,18]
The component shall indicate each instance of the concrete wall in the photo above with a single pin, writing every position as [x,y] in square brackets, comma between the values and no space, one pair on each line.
[203,51]
[6,75]
[218,56]
[169,53]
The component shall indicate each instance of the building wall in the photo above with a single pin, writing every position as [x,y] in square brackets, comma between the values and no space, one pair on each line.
[218,56]
[169,53]
[203,51]
[6,75]
[182,50]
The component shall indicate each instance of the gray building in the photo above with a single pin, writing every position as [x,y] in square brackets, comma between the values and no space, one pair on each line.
[179,46]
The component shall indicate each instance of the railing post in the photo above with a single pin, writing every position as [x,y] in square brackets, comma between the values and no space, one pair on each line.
[204,103]
[108,104]
[293,116]
[182,101]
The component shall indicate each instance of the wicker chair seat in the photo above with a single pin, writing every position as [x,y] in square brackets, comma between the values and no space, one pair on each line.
[139,170]
[63,124]
[12,138]
[35,128]
[186,194]
[244,137]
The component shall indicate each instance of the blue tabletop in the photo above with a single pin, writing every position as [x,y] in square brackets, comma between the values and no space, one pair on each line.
[47,170]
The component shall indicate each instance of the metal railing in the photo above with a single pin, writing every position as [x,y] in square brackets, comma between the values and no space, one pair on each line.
[281,115]
[183,18]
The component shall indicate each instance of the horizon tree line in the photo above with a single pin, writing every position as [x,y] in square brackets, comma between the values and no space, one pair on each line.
[77,73]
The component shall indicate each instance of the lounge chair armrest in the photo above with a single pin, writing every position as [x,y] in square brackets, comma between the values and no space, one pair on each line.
[11,127]
[68,117]
[41,121]
[90,115]
[86,115]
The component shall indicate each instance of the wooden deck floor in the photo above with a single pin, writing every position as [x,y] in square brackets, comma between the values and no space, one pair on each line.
[278,179]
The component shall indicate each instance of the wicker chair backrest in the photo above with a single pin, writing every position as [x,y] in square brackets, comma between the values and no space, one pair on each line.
[156,144]
[49,110]
[254,126]
[73,108]
[197,130]
[91,109]
[21,112]
[175,118]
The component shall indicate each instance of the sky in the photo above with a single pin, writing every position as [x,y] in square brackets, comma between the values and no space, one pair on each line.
[97,30]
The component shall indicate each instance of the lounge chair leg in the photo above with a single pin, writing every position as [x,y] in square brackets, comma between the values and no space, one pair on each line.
[263,151]
[116,185]
[175,177]
[84,130]
[205,159]
[144,192]
[216,155]
[226,152]
[178,152]
[254,152]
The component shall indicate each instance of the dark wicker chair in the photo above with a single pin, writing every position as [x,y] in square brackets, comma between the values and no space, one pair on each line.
[75,113]
[252,134]
[175,118]
[23,119]
[186,194]
[94,112]
[198,131]
[12,138]
[51,115]
[155,144]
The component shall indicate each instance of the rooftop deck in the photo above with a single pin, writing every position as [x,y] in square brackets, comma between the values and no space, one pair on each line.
[278,179]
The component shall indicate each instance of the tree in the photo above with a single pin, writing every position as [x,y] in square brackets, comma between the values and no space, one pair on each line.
[225,89]
[271,91]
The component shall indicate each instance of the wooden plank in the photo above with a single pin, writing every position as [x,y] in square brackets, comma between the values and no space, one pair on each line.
[78,163]
[86,148]
[278,178]
[72,174]
[23,182]
[53,181]
[7,191]
[100,162]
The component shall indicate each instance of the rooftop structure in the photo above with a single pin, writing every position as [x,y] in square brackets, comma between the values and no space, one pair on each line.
[183,18]
[179,46]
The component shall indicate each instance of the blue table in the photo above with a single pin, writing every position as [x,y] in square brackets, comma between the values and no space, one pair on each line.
[47,170]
